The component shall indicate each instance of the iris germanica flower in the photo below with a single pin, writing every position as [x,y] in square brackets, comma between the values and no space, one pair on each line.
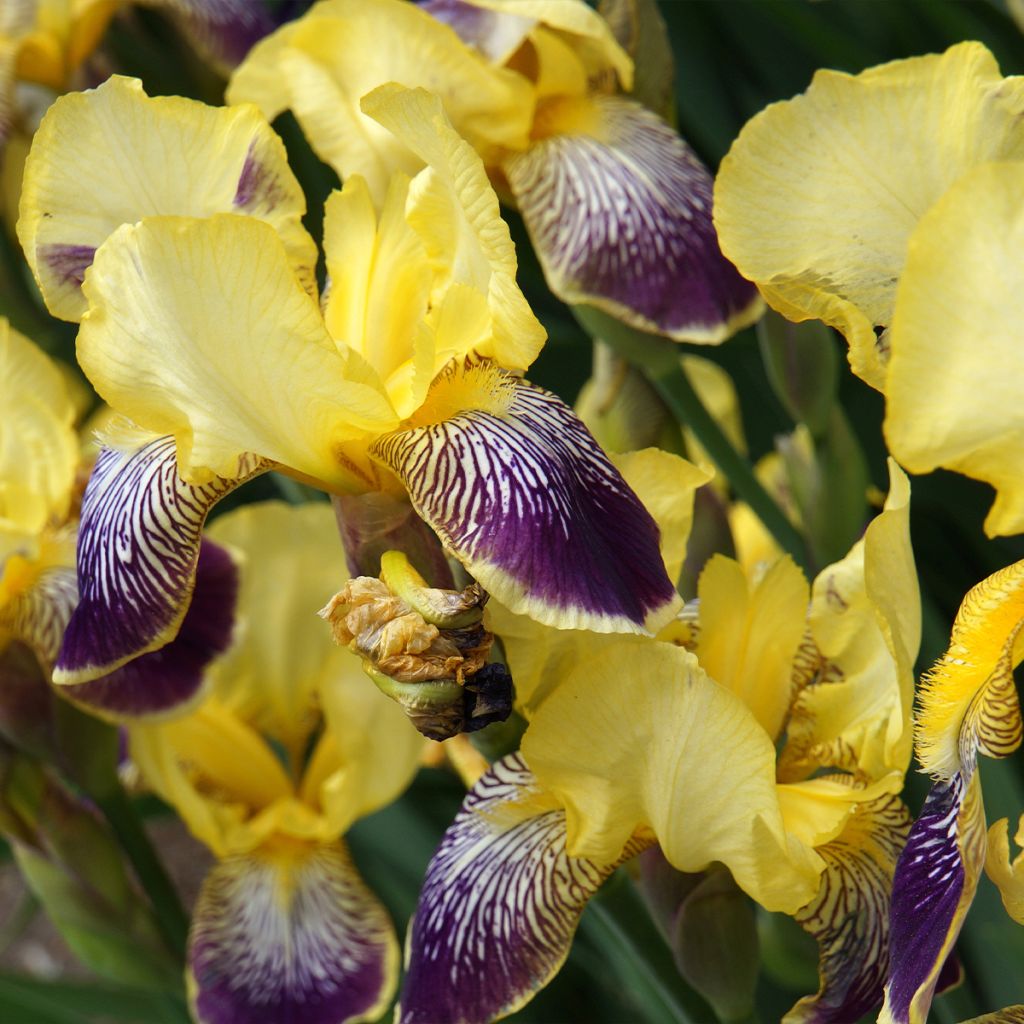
[968,706]
[887,205]
[203,328]
[287,749]
[673,741]
[617,205]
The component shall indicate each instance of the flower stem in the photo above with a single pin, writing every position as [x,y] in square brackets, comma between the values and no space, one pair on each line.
[170,915]
[660,360]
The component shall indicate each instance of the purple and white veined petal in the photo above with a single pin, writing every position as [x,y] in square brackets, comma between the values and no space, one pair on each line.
[849,918]
[138,545]
[936,878]
[290,935]
[225,30]
[499,906]
[496,34]
[172,677]
[39,615]
[619,211]
[530,504]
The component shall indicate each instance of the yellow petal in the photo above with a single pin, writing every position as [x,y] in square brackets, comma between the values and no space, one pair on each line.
[818,196]
[639,735]
[454,210]
[953,381]
[717,392]
[112,156]
[1007,874]
[323,64]
[243,364]
[865,621]
[968,700]
[38,443]
[750,632]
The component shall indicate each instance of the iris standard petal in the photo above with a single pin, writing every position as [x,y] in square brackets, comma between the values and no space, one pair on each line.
[290,934]
[323,64]
[956,334]
[619,211]
[849,917]
[1007,873]
[865,626]
[497,35]
[499,905]
[935,881]
[138,548]
[170,678]
[112,155]
[244,363]
[818,196]
[645,750]
[527,501]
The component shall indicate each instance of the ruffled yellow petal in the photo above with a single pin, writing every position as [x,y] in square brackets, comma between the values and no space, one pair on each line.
[112,156]
[953,387]
[865,622]
[1007,874]
[750,632]
[634,737]
[323,64]
[38,443]
[968,700]
[818,196]
[243,364]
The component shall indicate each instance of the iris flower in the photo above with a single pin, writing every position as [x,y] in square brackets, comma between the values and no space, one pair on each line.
[617,205]
[286,751]
[968,706]
[203,328]
[43,465]
[673,741]
[887,204]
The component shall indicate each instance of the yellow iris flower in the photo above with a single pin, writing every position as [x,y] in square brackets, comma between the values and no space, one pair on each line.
[768,729]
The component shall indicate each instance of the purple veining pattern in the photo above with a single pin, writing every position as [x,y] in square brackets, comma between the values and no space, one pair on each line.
[498,908]
[138,544]
[258,185]
[495,34]
[224,29]
[167,678]
[68,263]
[297,941]
[927,888]
[531,503]
[624,222]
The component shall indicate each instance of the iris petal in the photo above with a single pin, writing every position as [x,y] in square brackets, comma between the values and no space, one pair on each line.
[137,554]
[1007,874]
[619,211]
[38,615]
[499,905]
[529,503]
[290,935]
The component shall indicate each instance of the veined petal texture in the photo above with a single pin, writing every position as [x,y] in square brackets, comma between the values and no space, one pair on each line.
[533,508]
[619,211]
[112,155]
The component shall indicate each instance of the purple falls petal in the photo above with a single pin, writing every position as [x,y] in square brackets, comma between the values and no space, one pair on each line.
[936,877]
[171,677]
[849,918]
[620,216]
[529,502]
[138,544]
[496,34]
[39,615]
[499,905]
[290,936]
[224,30]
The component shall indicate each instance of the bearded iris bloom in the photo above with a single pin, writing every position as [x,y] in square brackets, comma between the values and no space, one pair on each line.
[617,205]
[844,204]
[204,330]
[813,831]
[287,749]
[969,706]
